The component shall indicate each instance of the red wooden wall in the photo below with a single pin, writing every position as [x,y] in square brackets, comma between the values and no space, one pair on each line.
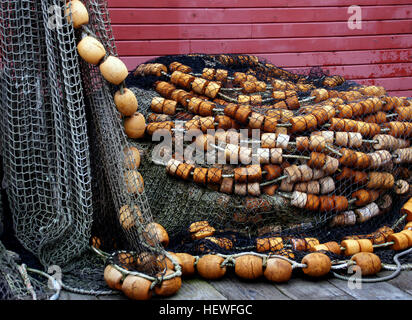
[291,34]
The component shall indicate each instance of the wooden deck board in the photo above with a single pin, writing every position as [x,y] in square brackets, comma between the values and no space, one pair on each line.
[402,282]
[197,289]
[307,289]
[231,288]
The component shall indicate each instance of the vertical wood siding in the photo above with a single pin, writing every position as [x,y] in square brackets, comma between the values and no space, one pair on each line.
[291,34]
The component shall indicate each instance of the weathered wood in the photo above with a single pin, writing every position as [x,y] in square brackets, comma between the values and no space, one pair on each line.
[234,288]
[246,3]
[403,281]
[196,289]
[297,288]
[253,15]
[308,289]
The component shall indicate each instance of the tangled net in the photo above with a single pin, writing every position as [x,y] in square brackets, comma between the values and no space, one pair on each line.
[229,161]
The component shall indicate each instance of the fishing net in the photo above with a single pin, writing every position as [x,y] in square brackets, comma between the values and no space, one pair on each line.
[241,155]
[301,160]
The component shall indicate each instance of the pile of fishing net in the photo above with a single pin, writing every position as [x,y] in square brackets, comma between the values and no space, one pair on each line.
[190,164]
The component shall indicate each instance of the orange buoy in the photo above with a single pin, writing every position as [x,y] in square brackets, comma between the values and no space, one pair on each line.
[317,264]
[168,287]
[134,181]
[114,70]
[135,126]
[126,103]
[368,262]
[278,270]
[91,50]
[137,288]
[249,267]
[209,267]
[113,277]
[156,231]
[127,218]
[187,264]
[79,14]
[132,158]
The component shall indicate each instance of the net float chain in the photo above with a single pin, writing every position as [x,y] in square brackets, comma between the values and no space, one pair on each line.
[140,288]
[269,122]
[246,266]
[250,84]
[92,51]
[112,68]
[254,85]
[306,121]
[252,267]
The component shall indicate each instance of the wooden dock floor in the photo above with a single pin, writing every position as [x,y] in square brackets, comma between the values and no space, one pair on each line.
[232,288]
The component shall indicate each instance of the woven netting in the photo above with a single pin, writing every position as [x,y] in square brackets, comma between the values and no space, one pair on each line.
[331,160]
[338,173]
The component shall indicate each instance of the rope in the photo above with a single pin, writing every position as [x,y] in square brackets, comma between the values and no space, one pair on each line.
[380,279]
[56,285]
[23,272]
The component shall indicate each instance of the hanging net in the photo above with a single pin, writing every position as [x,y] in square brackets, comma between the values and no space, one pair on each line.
[192,162]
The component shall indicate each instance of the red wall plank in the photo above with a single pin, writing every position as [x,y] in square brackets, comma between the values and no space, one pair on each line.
[253,15]
[247,3]
[259,46]
[256,31]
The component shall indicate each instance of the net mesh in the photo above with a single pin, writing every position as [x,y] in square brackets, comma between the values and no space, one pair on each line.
[324,167]
[300,158]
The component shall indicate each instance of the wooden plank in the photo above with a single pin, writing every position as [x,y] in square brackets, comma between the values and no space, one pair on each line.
[402,282]
[368,71]
[246,3]
[302,44]
[66,295]
[234,288]
[311,289]
[197,289]
[262,46]
[405,93]
[313,58]
[256,31]
[252,15]
[372,291]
